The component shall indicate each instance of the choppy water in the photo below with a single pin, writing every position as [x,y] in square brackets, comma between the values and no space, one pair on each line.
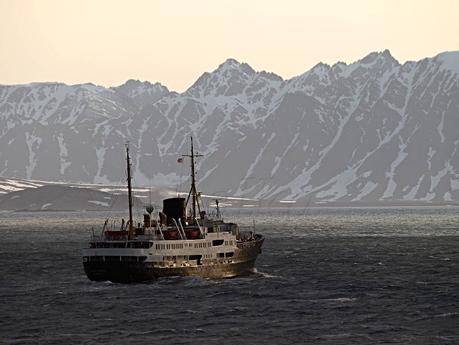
[326,276]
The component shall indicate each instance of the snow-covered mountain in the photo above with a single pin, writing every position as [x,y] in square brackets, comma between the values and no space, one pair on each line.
[371,130]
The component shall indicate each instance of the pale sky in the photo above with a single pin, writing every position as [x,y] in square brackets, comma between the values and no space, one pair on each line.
[107,42]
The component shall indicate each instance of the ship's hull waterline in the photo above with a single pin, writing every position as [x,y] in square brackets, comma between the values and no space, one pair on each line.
[131,272]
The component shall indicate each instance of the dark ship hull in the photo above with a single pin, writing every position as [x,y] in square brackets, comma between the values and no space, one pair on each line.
[242,263]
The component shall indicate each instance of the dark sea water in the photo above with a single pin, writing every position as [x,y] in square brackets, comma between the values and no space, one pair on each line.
[326,276]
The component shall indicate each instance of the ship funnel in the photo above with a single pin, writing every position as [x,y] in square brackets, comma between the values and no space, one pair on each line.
[174,208]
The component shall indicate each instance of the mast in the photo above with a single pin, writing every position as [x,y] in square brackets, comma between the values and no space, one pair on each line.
[193,192]
[128,162]
[193,180]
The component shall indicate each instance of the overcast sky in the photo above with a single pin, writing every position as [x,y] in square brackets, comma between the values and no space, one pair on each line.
[107,42]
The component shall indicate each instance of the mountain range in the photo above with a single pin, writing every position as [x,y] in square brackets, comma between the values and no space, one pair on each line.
[372,130]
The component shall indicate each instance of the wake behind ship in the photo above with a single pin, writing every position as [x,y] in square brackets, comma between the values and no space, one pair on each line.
[176,244]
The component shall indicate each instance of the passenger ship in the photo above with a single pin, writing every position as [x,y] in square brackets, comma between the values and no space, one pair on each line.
[175,244]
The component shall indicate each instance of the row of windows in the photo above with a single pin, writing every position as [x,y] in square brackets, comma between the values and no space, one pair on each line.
[182,245]
[97,258]
[185,257]
[226,255]
[134,244]
[192,245]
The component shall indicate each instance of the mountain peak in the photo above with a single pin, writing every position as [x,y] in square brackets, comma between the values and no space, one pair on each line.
[385,55]
[229,76]
[232,64]
[449,60]
[133,88]
[137,83]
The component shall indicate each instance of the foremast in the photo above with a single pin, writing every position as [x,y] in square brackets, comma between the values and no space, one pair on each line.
[129,178]
[193,192]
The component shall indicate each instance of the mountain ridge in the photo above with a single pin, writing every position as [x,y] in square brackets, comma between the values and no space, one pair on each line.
[373,129]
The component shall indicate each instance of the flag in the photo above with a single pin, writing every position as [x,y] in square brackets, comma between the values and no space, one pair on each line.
[180,160]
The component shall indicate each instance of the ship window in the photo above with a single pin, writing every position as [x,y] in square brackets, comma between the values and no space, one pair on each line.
[229,255]
[221,255]
[112,258]
[217,242]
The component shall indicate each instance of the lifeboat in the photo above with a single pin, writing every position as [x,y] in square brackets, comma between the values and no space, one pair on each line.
[170,234]
[115,234]
[192,233]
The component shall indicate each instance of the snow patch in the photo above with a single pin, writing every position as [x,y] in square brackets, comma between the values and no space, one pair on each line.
[63,154]
[367,189]
[33,143]
[99,203]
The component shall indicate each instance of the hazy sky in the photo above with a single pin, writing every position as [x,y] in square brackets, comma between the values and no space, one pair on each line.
[109,41]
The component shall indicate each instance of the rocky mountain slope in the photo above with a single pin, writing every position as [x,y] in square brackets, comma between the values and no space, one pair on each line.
[371,130]
[32,195]
[62,198]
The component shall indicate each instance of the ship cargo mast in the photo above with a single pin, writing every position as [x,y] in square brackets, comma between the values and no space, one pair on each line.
[128,162]
[193,192]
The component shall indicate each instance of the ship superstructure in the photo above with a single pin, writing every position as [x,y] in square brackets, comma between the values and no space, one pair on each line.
[173,244]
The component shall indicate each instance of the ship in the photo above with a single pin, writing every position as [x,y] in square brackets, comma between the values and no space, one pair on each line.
[171,242]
